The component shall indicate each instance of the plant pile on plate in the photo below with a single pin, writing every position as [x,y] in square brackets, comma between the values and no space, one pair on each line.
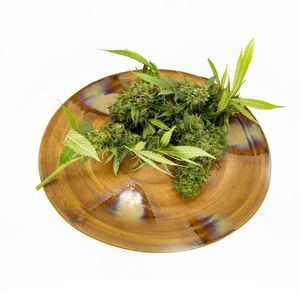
[177,127]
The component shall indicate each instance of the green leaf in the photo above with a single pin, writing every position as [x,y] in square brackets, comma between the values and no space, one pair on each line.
[140,166]
[159,124]
[187,121]
[210,81]
[242,67]
[152,164]
[190,161]
[116,165]
[166,79]
[244,111]
[238,68]
[186,152]
[258,104]
[153,80]
[130,54]
[153,67]
[66,155]
[140,146]
[165,139]
[156,157]
[110,157]
[80,144]
[80,127]
[70,117]
[224,77]
[215,72]
[132,112]
[148,130]
[224,99]
[184,159]
[148,161]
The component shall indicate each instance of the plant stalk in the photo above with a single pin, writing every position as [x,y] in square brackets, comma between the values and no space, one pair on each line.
[54,174]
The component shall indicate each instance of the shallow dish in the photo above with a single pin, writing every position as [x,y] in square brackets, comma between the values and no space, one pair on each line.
[141,210]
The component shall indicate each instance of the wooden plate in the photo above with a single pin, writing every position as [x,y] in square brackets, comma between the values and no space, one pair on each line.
[141,210]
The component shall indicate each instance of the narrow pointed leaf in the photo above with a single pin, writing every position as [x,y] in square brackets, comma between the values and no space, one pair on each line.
[110,157]
[80,127]
[133,113]
[116,165]
[148,130]
[215,72]
[224,99]
[187,121]
[71,118]
[140,166]
[159,124]
[153,80]
[242,67]
[244,111]
[258,104]
[186,152]
[238,68]
[152,164]
[80,144]
[165,139]
[180,159]
[224,77]
[140,146]
[210,81]
[130,54]
[157,157]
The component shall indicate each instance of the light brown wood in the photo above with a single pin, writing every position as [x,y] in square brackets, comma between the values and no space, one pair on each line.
[141,210]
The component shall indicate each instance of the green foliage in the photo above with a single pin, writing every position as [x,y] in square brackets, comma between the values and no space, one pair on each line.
[150,158]
[186,152]
[159,122]
[230,95]
[80,145]
[130,54]
[215,72]
[70,117]
[255,104]
[66,155]
[166,137]
[155,81]
[149,67]
[242,67]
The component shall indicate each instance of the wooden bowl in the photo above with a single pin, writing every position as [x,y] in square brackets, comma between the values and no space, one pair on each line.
[141,210]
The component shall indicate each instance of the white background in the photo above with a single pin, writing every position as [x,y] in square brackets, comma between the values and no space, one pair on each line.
[48,50]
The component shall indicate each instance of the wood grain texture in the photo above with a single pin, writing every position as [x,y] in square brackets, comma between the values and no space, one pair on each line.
[141,210]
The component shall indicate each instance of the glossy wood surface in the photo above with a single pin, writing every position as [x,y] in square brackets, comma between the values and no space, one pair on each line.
[141,210]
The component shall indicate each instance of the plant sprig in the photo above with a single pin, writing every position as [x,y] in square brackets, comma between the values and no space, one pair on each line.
[176,127]
[76,147]
[230,94]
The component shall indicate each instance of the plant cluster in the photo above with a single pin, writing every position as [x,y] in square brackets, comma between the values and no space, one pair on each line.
[177,127]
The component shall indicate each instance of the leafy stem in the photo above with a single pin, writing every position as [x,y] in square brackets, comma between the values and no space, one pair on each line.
[230,95]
